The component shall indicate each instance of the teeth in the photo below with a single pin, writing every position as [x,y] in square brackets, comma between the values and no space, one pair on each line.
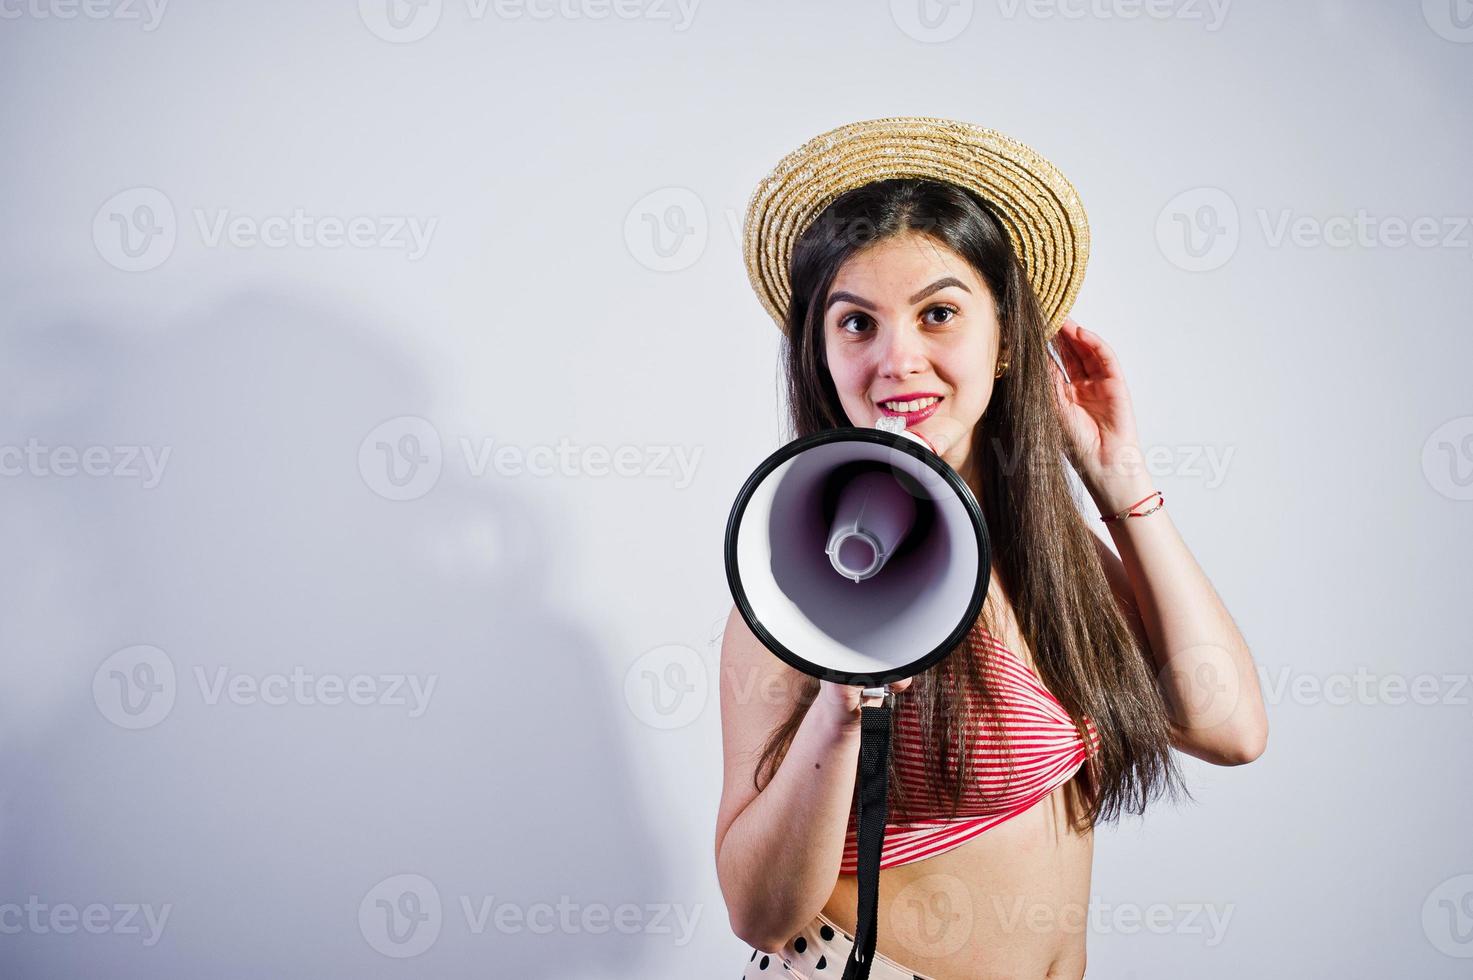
[914,405]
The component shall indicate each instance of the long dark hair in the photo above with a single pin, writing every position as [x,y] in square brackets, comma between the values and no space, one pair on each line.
[1042,551]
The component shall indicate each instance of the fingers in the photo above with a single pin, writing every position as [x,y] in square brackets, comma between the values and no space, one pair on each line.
[1091,350]
[1068,344]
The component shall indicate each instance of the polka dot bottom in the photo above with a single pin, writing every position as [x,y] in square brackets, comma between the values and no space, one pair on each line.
[819,951]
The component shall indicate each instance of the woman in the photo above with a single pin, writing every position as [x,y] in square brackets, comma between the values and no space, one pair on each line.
[934,285]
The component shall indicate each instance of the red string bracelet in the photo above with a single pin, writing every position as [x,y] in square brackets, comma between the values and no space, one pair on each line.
[1131,510]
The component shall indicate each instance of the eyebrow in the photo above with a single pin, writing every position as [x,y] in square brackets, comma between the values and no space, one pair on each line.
[937,285]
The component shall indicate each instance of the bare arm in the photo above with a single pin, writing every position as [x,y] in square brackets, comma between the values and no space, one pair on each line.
[1202,661]
[778,851]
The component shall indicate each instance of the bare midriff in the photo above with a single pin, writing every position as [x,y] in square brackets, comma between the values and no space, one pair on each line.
[1012,902]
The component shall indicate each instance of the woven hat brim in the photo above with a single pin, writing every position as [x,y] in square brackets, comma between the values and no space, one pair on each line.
[1038,206]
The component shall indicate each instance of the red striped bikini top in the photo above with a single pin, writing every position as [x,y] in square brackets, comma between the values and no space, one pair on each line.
[1047,752]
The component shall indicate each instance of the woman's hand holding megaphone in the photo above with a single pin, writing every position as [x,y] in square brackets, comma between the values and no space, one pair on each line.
[843,701]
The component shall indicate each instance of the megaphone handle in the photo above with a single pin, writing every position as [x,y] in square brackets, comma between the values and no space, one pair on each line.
[874,758]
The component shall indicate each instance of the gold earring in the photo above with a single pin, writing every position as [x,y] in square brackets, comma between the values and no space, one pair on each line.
[1002,367]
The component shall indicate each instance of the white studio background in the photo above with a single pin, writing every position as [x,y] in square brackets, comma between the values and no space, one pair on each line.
[376,378]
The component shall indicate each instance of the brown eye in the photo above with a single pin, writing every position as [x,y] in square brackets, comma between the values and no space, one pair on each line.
[950,312]
[851,318]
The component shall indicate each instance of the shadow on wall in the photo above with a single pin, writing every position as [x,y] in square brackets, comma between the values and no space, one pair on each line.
[344,728]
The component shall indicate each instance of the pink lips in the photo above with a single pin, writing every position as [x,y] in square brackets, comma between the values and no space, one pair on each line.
[913,418]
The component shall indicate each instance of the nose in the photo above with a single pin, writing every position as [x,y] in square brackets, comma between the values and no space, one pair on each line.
[902,353]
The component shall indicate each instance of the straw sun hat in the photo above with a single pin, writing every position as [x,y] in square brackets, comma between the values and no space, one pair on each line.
[1038,206]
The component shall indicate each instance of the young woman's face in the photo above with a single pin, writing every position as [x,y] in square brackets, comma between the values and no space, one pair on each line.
[909,318]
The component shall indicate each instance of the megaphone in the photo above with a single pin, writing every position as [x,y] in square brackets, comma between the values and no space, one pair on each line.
[859,556]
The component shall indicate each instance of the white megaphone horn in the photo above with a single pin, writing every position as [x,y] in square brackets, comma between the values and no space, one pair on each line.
[858,555]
